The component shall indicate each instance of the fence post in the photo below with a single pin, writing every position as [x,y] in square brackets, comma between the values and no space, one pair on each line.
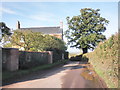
[50,57]
[12,58]
[63,56]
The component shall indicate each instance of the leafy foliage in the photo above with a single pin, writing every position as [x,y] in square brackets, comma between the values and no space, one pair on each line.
[107,55]
[34,41]
[4,29]
[85,30]
[52,43]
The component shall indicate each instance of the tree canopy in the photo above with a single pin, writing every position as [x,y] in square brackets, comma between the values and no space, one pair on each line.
[4,29]
[85,31]
[34,41]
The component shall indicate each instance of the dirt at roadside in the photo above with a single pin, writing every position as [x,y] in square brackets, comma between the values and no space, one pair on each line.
[83,76]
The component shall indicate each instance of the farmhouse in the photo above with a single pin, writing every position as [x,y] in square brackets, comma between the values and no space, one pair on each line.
[53,31]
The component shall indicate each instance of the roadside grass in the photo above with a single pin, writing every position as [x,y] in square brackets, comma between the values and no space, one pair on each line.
[101,74]
[15,74]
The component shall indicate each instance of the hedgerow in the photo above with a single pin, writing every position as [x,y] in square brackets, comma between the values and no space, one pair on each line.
[105,60]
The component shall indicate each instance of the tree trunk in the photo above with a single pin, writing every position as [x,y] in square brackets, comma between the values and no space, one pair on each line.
[85,50]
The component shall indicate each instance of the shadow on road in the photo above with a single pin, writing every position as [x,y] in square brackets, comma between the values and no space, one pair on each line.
[45,73]
[74,63]
[78,67]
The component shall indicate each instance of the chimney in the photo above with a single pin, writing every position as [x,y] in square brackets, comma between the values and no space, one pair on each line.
[61,25]
[18,25]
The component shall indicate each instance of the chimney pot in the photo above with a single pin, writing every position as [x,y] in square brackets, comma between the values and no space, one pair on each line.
[18,25]
[61,25]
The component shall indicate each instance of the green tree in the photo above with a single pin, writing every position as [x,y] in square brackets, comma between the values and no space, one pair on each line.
[26,39]
[51,43]
[34,41]
[4,29]
[85,30]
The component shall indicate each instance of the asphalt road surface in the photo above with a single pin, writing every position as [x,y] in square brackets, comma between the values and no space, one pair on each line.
[71,75]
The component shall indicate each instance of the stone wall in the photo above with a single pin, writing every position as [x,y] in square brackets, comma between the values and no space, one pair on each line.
[10,59]
[13,59]
[29,59]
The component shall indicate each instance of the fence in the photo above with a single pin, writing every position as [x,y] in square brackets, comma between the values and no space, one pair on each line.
[13,59]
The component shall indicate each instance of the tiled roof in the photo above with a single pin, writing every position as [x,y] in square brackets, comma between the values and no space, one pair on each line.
[45,30]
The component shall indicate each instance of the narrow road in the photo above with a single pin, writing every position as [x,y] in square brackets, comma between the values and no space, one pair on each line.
[71,75]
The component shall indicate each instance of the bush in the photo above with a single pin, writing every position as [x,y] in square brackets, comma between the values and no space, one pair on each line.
[34,41]
[105,60]
[53,43]
[76,58]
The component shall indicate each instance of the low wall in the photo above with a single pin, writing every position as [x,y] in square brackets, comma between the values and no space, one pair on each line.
[59,55]
[32,59]
[10,59]
[13,59]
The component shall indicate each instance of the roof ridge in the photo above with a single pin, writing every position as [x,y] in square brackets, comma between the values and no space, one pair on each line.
[42,27]
[46,30]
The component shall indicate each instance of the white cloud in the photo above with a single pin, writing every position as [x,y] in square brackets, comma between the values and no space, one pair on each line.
[7,10]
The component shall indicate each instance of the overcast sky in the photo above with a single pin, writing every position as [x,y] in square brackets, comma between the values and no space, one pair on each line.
[37,14]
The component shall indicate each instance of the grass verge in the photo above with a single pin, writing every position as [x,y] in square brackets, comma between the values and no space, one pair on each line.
[106,79]
[10,75]
[105,60]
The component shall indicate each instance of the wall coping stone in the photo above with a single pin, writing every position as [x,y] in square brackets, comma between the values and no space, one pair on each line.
[11,48]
